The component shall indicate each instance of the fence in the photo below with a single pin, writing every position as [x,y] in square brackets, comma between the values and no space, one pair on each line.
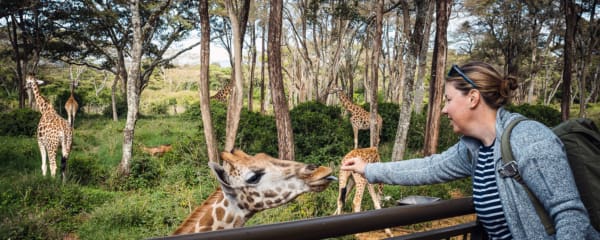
[340,225]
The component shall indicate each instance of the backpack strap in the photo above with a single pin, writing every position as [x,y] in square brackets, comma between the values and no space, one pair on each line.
[510,169]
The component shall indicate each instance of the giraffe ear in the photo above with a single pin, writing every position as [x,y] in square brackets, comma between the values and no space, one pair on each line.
[219,171]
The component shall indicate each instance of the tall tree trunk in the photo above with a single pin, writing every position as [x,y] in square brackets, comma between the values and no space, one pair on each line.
[375,69]
[571,18]
[285,135]
[132,88]
[236,99]
[420,80]
[211,141]
[262,70]
[436,87]
[113,98]
[252,67]
[416,40]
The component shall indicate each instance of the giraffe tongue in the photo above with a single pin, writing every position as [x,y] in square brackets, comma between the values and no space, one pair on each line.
[331,178]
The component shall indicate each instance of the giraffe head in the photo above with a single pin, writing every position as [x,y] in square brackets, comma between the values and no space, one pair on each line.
[30,80]
[260,182]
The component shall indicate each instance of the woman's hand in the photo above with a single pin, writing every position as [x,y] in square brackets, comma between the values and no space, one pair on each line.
[355,164]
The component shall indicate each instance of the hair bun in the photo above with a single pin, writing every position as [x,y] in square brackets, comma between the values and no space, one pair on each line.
[510,82]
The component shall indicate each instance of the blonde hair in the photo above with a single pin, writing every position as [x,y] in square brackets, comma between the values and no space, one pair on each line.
[495,88]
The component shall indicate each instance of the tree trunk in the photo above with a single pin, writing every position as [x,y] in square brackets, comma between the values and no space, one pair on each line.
[374,140]
[285,135]
[252,67]
[113,98]
[570,17]
[436,88]
[420,80]
[262,71]
[211,141]
[132,88]
[416,40]
[236,99]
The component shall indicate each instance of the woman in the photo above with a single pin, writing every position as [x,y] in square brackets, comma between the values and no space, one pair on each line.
[475,94]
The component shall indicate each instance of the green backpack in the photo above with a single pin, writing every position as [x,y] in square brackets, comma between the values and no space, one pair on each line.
[582,144]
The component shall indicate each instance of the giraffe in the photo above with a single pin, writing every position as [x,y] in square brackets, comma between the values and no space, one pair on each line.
[71,106]
[360,118]
[370,155]
[223,94]
[52,131]
[249,184]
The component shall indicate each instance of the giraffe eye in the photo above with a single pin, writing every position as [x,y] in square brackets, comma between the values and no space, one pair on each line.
[255,178]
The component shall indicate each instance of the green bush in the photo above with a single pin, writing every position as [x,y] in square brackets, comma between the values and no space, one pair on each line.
[145,172]
[85,170]
[320,133]
[19,122]
[257,133]
[416,133]
[544,114]
[121,104]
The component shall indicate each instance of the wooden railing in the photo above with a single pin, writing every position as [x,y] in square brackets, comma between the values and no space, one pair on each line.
[340,225]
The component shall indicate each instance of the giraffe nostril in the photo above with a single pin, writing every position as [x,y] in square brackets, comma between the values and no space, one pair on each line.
[311,167]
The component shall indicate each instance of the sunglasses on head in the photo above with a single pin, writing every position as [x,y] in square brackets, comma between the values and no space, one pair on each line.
[456,70]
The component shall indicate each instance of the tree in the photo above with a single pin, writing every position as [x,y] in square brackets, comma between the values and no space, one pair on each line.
[238,17]
[375,69]
[436,85]
[571,19]
[415,47]
[283,121]
[156,25]
[211,142]
[30,25]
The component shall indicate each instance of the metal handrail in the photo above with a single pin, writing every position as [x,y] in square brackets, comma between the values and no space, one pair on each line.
[340,225]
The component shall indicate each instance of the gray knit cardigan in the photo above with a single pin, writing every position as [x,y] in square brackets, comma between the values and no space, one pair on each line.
[542,164]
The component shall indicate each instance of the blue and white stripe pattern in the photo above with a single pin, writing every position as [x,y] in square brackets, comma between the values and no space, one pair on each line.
[485,196]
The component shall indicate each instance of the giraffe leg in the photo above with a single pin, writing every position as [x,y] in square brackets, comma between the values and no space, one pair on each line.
[44,155]
[343,191]
[355,129]
[361,182]
[52,160]
[66,149]
[376,198]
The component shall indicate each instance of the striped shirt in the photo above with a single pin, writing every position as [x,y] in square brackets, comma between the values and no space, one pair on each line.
[485,196]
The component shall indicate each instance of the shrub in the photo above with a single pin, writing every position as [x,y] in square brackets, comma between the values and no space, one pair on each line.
[544,114]
[85,170]
[320,133]
[19,122]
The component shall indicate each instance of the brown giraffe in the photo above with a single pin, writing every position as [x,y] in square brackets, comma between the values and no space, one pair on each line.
[370,155]
[360,118]
[71,106]
[52,131]
[249,184]
[223,94]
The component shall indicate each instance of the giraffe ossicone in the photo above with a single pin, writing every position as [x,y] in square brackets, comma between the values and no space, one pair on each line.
[250,184]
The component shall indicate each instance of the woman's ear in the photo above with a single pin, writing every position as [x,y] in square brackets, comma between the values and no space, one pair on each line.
[474,98]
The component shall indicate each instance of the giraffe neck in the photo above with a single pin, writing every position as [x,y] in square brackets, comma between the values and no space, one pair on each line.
[43,104]
[217,212]
[348,105]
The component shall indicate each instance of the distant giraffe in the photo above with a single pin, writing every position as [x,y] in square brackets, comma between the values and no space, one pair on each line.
[52,131]
[71,106]
[250,184]
[360,118]
[369,155]
[224,93]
